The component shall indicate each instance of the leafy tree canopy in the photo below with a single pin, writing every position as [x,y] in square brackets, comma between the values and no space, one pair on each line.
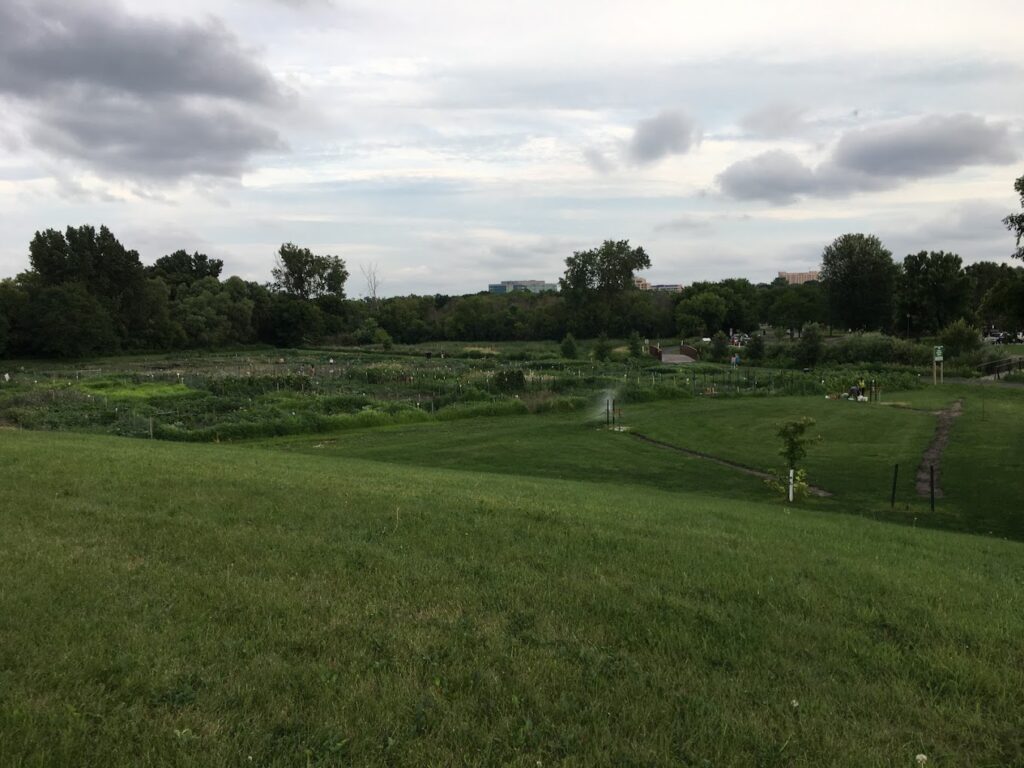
[183,268]
[608,269]
[859,277]
[1015,221]
[301,273]
[933,290]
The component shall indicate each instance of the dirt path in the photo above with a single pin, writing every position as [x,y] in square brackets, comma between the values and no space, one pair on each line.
[933,453]
[812,489]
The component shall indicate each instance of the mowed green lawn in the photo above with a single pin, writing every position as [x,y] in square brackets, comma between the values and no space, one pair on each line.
[167,604]
[982,473]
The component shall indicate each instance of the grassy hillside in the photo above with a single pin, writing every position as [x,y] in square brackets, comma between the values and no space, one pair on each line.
[981,470]
[165,604]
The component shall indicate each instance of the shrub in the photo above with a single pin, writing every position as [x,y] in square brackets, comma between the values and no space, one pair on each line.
[636,346]
[959,338]
[810,346]
[795,440]
[568,347]
[382,337]
[510,380]
[602,348]
[719,347]
[780,484]
[755,348]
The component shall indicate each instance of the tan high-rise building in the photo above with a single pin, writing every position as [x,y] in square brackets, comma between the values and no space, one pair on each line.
[799,278]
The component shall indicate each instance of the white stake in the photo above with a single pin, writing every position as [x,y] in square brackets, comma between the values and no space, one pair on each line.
[791,486]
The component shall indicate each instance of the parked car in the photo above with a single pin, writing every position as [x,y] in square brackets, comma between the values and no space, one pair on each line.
[1000,337]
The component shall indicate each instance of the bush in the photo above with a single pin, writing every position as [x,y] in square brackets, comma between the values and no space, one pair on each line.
[510,380]
[568,347]
[959,338]
[382,337]
[810,346]
[602,348]
[755,348]
[636,346]
[719,347]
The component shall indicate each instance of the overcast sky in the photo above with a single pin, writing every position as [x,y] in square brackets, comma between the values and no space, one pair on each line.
[460,143]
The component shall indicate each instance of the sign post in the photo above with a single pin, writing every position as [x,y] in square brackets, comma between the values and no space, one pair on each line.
[937,365]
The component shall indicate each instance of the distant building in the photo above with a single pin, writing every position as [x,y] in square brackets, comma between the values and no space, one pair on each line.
[645,285]
[799,278]
[532,286]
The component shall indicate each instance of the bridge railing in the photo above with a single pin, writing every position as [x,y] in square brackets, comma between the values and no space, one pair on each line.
[998,367]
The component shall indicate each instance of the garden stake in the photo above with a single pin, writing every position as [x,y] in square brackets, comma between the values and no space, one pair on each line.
[895,474]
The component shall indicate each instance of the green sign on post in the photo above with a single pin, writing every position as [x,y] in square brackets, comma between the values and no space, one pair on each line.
[938,355]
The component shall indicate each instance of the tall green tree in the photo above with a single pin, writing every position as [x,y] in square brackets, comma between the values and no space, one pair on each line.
[933,290]
[1003,305]
[303,274]
[99,264]
[1015,221]
[701,313]
[182,268]
[69,321]
[595,282]
[983,276]
[859,278]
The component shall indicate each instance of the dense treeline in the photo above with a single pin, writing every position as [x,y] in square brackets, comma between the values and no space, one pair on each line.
[85,293]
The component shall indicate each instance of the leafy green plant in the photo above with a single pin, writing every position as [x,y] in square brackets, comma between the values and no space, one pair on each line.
[795,440]
[719,346]
[959,338]
[779,483]
[568,347]
[810,346]
[636,346]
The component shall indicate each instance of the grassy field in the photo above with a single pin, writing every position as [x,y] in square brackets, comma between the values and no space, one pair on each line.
[169,604]
[982,473]
[452,562]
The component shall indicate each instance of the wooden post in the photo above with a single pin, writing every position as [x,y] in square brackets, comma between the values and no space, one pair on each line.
[931,475]
[895,474]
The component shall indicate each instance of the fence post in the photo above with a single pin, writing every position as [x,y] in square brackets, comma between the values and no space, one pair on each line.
[895,474]
[791,486]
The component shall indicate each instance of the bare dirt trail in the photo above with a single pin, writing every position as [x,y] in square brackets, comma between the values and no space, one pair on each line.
[812,489]
[933,453]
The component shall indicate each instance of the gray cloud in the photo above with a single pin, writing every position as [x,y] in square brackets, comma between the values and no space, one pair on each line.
[698,224]
[161,140]
[776,176]
[969,221]
[931,146]
[597,161]
[305,3]
[774,121]
[667,133]
[135,96]
[686,222]
[880,157]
